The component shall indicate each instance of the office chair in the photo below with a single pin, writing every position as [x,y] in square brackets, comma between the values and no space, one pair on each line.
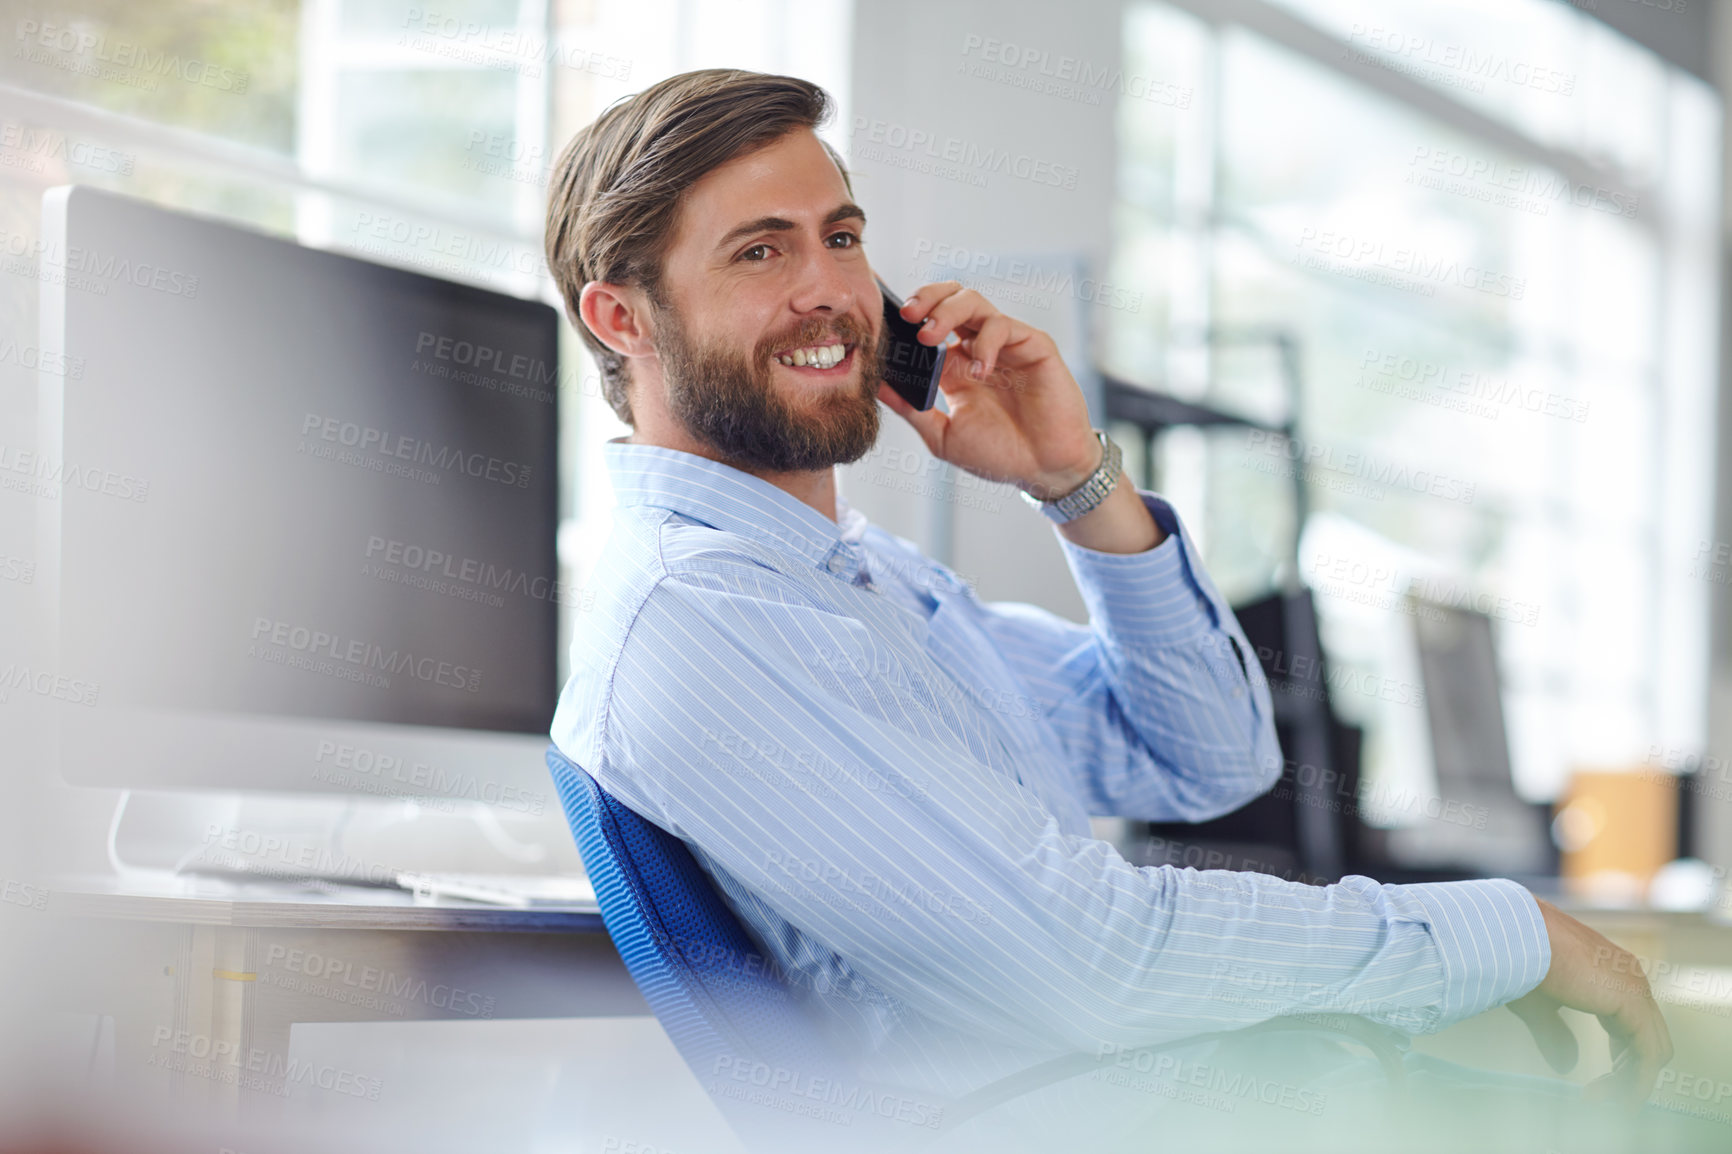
[740,1028]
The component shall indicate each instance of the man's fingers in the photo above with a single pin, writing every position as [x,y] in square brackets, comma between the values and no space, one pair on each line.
[1554,1038]
[961,312]
[984,346]
[929,424]
[919,302]
[1641,1048]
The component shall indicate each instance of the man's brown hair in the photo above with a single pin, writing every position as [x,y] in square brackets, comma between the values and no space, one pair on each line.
[614,196]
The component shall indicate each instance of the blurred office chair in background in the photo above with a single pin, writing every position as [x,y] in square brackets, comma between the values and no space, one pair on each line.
[1309,826]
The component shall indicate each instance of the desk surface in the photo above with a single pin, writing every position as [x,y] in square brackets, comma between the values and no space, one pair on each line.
[206,901]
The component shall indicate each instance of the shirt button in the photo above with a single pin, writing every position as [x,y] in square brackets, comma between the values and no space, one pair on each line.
[836,562]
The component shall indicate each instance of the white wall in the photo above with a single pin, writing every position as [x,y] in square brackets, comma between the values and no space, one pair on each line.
[911,74]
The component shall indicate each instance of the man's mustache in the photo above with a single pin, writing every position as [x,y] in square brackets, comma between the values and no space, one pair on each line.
[846,331]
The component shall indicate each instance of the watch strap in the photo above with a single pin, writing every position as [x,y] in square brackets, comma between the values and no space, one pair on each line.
[1090,493]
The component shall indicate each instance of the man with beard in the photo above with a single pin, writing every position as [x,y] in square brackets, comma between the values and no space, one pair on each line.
[889,781]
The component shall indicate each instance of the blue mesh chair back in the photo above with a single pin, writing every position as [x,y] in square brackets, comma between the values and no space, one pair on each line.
[733,1019]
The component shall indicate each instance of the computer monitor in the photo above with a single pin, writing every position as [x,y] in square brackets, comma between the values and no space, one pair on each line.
[306,538]
[1482,825]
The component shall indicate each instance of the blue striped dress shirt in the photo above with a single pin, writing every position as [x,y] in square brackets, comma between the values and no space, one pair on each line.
[890,781]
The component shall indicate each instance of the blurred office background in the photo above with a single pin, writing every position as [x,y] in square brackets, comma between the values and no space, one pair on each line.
[1489,232]
[1467,256]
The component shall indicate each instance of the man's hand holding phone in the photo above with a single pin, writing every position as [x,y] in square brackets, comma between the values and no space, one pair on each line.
[1016,414]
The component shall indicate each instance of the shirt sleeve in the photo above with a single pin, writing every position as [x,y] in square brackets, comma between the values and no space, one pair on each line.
[840,794]
[1159,702]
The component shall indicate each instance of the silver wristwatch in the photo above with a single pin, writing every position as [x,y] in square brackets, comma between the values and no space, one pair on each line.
[1090,493]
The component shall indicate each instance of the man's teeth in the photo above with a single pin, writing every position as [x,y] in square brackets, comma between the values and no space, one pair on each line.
[819,356]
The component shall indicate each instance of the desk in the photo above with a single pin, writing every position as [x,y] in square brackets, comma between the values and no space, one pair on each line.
[193,989]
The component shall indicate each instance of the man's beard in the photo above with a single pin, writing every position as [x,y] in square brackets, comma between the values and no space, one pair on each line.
[731,403]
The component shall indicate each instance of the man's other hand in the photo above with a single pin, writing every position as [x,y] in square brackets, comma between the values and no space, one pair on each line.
[1590,974]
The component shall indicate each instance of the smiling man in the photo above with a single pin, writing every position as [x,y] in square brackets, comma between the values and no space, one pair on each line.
[890,781]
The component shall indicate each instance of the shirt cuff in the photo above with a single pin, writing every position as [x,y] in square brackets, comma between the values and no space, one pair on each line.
[1152,598]
[1490,937]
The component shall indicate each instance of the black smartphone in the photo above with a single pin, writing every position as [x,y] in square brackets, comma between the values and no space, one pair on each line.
[911,368]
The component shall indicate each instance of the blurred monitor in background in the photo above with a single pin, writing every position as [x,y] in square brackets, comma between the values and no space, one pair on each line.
[1482,826]
[313,548]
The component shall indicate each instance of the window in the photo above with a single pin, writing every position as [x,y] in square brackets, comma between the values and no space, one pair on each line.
[1489,228]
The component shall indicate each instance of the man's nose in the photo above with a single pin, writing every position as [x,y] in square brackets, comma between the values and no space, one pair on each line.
[821,283]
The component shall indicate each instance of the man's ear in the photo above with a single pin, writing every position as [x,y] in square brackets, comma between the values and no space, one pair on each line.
[618,315]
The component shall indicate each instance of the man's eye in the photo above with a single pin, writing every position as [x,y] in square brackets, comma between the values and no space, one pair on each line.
[753,249]
[848,236]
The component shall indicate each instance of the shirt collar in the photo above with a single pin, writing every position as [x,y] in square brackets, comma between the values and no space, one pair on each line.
[737,502]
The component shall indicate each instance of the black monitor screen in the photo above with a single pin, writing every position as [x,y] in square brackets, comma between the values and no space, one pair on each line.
[328,488]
